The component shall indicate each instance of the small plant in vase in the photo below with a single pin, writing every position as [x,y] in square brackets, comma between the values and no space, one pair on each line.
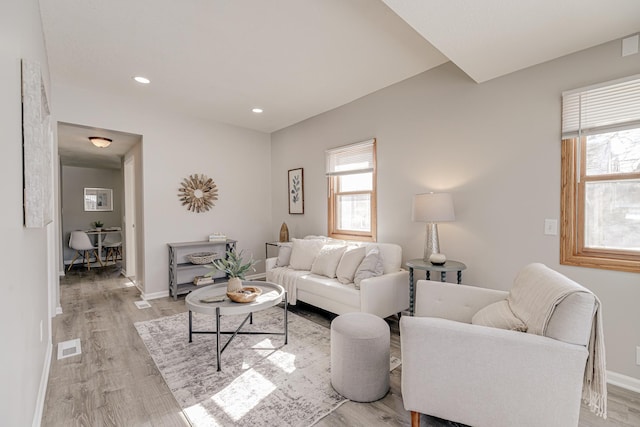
[98,225]
[235,268]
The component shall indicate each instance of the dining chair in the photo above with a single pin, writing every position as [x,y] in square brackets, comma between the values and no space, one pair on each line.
[112,244]
[80,242]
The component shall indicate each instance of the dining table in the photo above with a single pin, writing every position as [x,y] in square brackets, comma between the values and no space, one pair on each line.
[99,232]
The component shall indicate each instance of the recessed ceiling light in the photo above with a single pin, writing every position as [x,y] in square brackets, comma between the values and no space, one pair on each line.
[142,80]
[257,110]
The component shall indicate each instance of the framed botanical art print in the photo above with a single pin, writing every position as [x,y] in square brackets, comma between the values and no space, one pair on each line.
[296,191]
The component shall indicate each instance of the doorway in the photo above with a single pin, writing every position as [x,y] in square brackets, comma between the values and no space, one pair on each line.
[111,167]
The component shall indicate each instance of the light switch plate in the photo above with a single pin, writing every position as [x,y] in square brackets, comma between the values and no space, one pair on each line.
[630,45]
[551,227]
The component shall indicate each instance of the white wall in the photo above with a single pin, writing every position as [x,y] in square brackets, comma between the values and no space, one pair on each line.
[173,147]
[495,146]
[24,254]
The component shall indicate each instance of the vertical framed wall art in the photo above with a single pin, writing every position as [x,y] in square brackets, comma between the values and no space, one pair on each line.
[296,191]
[37,148]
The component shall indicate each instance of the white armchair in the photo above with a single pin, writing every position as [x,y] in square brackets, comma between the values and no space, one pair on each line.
[490,377]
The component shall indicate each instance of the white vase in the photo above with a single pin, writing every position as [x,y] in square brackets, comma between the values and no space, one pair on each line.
[234,284]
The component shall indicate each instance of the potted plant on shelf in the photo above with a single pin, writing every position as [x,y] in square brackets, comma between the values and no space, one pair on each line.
[98,225]
[235,268]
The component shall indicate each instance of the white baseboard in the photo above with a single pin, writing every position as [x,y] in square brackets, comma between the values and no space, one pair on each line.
[155,295]
[624,381]
[42,390]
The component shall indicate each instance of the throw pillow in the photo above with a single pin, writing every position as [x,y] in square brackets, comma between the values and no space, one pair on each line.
[284,254]
[349,263]
[370,266]
[303,252]
[499,315]
[327,260]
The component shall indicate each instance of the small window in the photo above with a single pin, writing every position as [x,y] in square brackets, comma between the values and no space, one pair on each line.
[601,177]
[351,171]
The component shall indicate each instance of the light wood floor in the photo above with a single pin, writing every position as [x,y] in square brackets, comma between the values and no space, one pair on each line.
[115,382]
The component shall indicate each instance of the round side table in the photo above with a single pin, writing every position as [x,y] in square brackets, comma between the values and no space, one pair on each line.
[421,264]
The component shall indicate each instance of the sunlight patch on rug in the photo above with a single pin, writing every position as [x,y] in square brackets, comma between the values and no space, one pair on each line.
[262,382]
[243,394]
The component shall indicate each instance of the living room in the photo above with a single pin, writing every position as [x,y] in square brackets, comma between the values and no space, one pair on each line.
[495,146]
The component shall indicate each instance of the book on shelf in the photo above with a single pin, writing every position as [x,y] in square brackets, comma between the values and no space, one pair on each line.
[202,280]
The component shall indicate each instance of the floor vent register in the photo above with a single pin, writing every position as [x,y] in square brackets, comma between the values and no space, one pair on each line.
[69,348]
[142,304]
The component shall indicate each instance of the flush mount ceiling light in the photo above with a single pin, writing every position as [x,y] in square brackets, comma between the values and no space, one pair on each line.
[143,80]
[257,110]
[100,142]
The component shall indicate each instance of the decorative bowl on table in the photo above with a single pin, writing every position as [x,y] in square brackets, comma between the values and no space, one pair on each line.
[201,257]
[246,294]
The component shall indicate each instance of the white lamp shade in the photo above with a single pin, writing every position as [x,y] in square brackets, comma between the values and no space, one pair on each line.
[433,207]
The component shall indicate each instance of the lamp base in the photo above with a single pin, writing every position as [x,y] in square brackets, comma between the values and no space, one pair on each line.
[431,243]
[438,259]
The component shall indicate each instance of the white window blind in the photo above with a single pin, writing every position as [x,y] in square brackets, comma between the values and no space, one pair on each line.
[350,159]
[604,107]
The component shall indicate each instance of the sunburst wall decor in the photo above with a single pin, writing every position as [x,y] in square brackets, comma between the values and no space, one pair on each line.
[198,193]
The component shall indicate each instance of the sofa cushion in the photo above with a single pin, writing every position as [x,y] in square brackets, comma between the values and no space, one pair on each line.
[329,288]
[284,254]
[370,266]
[391,253]
[327,260]
[498,315]
[349,263]
[303,252]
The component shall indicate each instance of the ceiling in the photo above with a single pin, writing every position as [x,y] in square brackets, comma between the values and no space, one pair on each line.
[217,59]
[75,149]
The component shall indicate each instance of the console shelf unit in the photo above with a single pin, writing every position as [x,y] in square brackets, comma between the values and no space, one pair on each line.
[182,272]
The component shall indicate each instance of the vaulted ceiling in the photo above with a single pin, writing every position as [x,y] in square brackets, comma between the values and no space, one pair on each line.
[218,59]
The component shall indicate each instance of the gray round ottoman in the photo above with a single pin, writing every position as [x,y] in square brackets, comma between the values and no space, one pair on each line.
[360,356]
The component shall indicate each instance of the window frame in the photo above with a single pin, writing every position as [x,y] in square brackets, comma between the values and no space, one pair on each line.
[332,205]
[572,250]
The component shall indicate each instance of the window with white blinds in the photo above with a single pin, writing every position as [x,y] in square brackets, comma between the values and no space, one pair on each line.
[350,159]
[601,176]
[351,198]
[605,107]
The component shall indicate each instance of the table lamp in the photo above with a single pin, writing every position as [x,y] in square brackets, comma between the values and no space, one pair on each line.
[432,208]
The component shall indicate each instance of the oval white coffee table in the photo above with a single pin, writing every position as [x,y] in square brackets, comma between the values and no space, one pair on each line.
[272,295]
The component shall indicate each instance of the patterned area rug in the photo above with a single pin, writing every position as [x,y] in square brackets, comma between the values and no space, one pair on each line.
[262,381]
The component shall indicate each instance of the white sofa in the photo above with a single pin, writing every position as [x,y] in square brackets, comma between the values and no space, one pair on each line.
[383,295]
